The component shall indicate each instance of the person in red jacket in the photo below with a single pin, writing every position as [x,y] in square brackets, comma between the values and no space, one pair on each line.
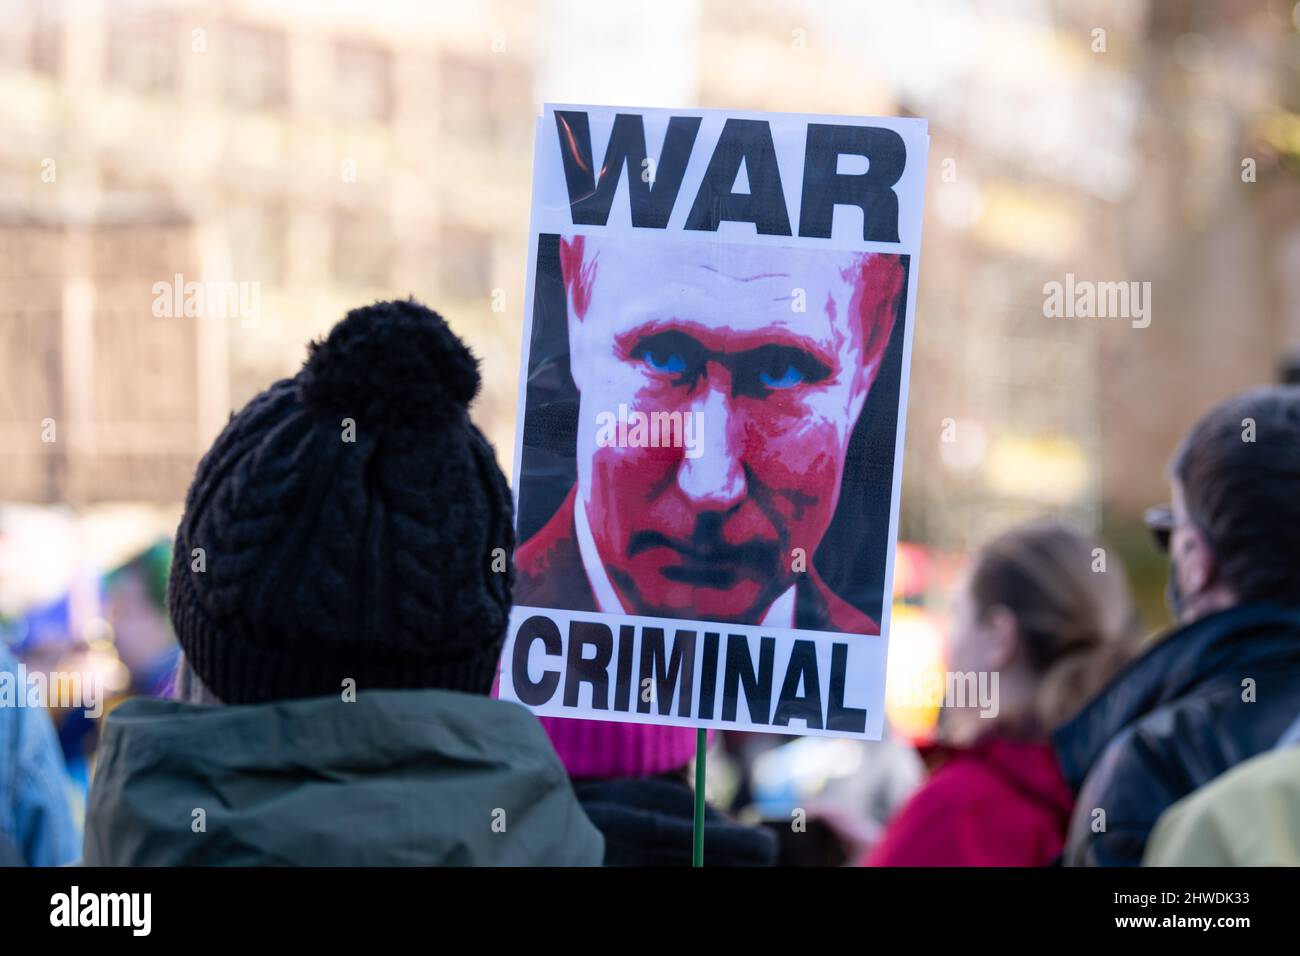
[1041,620]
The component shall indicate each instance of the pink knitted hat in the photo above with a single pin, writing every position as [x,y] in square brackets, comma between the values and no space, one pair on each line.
[604,749]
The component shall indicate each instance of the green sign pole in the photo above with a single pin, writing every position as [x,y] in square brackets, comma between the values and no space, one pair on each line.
[701,745]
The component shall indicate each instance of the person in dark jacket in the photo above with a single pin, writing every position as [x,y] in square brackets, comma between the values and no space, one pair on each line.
[1038,610]
[632,782]
[340,590]
[1225,684]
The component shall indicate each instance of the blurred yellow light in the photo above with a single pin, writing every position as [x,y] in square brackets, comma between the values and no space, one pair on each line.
[1052,468]
[1029,223]
[1282,131]
[916,649]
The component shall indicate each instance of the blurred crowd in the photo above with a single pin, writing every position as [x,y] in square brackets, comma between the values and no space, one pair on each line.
[298,561]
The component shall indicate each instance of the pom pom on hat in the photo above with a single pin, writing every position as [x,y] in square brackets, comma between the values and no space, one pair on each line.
[393,364]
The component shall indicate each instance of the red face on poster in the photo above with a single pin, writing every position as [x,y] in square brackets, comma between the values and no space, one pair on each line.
[719,386]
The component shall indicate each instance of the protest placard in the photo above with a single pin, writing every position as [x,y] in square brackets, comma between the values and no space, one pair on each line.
[713,391]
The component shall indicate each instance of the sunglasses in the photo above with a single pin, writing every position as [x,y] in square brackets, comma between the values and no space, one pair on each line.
[1160,525]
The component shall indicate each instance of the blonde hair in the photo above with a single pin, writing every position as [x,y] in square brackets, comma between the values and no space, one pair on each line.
[1072,605]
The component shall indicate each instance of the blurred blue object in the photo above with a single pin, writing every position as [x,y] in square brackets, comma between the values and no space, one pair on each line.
[47,626]
[35,813]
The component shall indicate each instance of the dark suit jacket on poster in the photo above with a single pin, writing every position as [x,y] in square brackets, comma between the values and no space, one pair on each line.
[550,573]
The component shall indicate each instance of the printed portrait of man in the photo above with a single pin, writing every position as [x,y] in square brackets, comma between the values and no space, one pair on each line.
[718,388]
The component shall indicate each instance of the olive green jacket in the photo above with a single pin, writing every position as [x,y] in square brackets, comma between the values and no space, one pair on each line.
[1250,816]
[394,778]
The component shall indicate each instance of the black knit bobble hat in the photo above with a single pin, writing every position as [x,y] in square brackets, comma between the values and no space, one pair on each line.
[349,521]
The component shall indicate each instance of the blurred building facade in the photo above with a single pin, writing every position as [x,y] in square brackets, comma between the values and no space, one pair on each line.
[315,156]
[1151,142]
[329,153]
